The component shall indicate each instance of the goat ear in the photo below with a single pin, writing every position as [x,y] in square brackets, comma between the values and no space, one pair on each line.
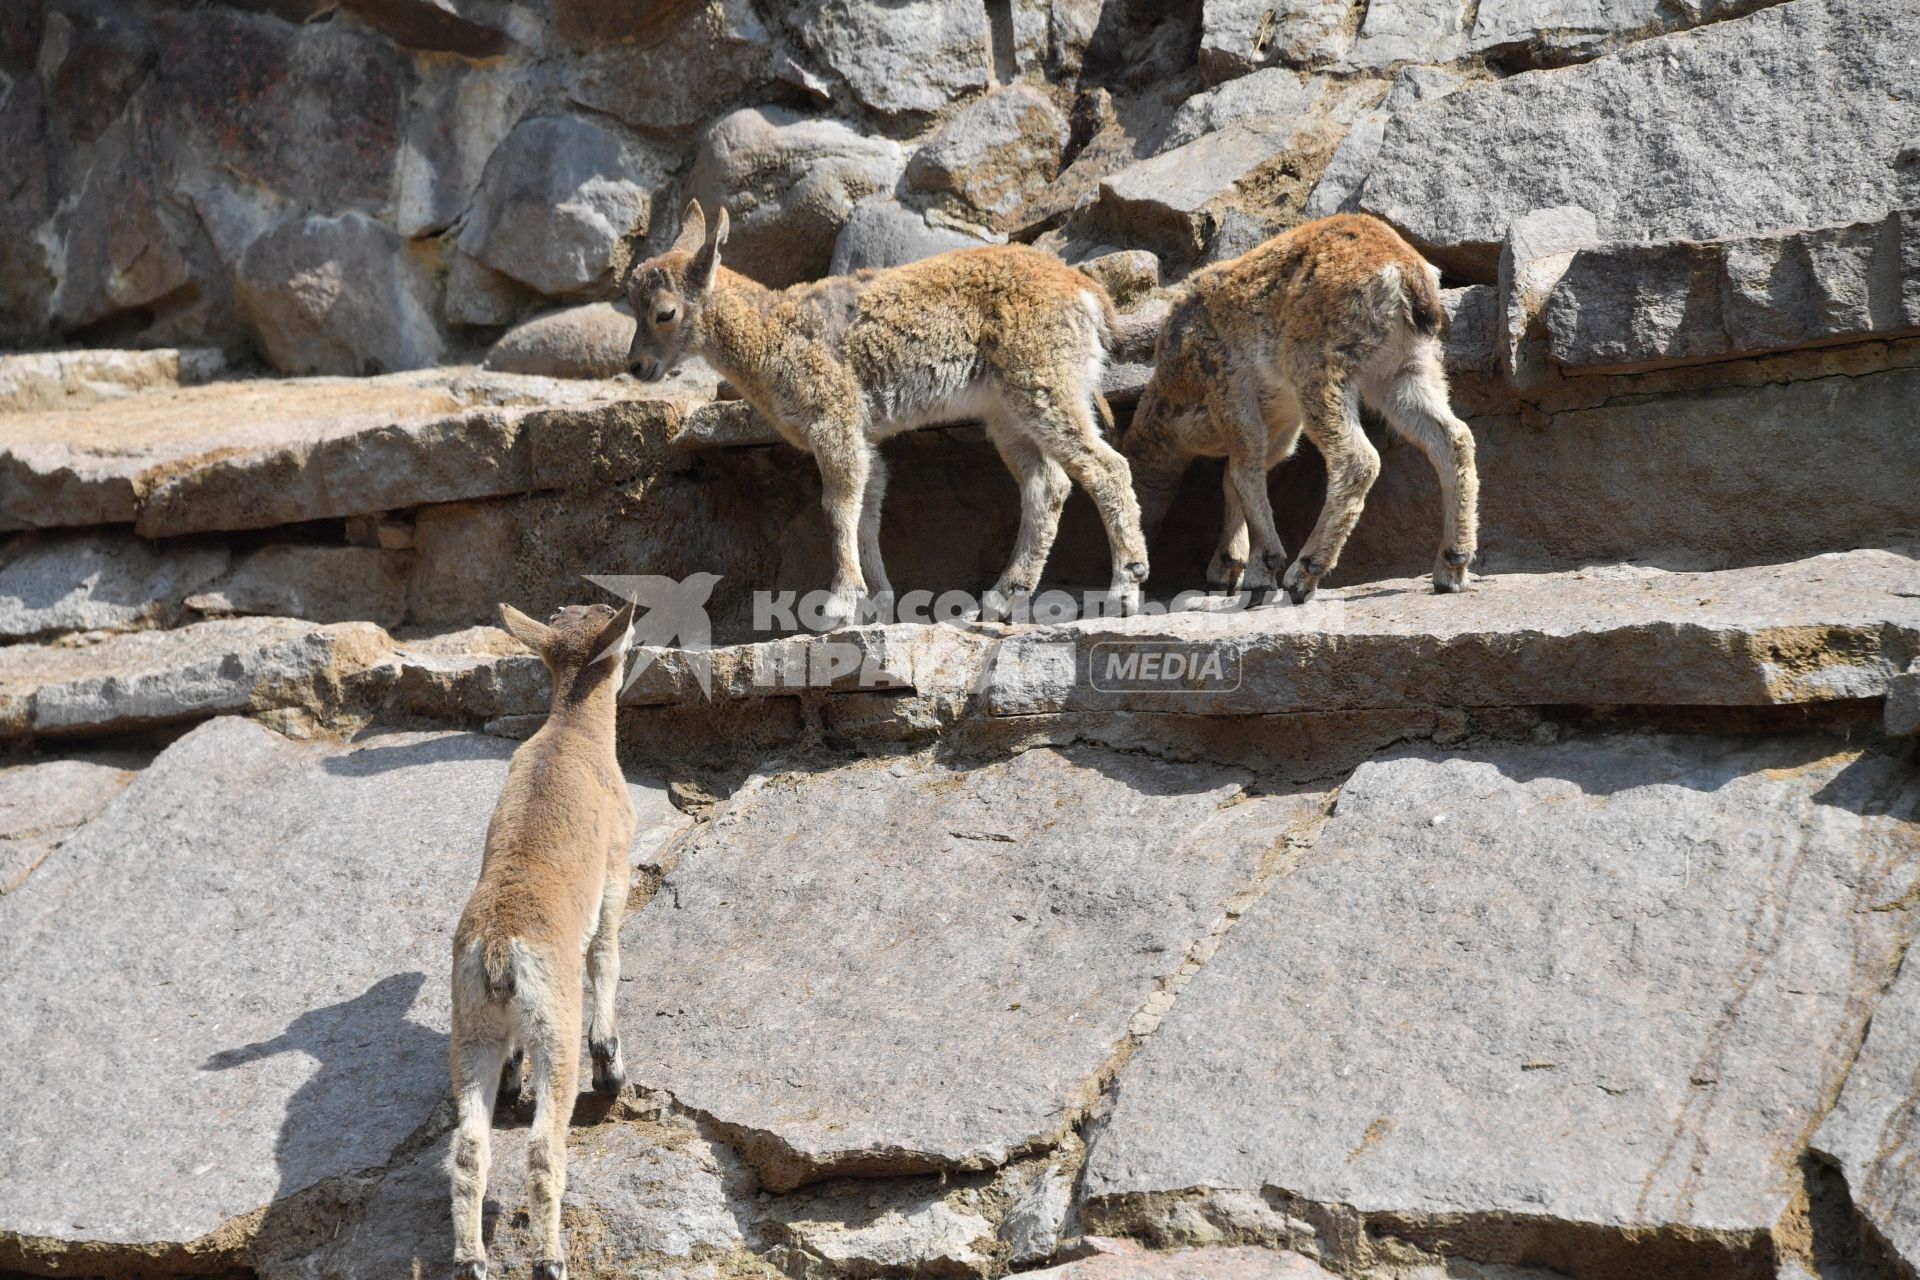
[706,263]
[693,229]
[615,637]
[534,635]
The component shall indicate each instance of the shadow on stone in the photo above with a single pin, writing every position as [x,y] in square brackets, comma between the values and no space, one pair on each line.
[352,1044]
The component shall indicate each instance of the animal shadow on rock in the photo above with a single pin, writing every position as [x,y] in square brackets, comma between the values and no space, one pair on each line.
[358,1046]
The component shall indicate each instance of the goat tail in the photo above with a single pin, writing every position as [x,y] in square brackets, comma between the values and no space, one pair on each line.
[497,959]
[1420,285]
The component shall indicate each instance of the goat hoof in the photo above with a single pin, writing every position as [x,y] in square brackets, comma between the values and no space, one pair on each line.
[470,1270]
[1303,580]
[1449,574]
[550,1270]
[609,1071]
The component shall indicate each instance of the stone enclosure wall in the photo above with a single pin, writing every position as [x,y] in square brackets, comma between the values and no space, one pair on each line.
[1558,929]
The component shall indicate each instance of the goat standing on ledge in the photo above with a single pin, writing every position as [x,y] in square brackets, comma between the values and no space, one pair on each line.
[1295,334]
[553,886]
[1006,334]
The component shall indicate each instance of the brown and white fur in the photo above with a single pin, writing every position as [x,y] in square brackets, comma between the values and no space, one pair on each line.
[1007,334]
[1297,335]
[552,889]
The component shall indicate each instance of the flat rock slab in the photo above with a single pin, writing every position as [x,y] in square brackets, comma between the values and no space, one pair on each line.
[1829,627]
[1539,996]
[1870,1134]
[1120,1260]
[907,966]
[98,580]
[42,804]
[246,952]
[247,455]
[145,678]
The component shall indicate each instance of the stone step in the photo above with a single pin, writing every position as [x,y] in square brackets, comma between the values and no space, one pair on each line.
[145,679]
[252,454]
[1832,627]
[66,379]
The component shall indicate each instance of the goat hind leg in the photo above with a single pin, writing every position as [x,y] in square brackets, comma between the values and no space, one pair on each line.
[1333,424]
[556,1076]
[1063,427]
[603,984]
[1416,406]
[476,1069]
[1043,492]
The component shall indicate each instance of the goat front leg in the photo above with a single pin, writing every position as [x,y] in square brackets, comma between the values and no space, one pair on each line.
[846,462]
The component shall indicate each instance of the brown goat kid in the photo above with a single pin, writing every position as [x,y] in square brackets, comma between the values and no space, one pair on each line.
[553,886]
[1006,334]
[1297,335]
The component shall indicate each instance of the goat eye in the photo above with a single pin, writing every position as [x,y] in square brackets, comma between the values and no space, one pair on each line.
[664,317]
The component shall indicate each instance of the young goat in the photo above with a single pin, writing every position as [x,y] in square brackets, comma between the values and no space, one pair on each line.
[553,885]
[1005,334]
[1293,335]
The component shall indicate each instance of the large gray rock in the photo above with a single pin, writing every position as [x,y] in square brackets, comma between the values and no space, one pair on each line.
[287,979]
[1339,185]
[1531,1003]
[1313,106]
[42,804]
[1635,306]
[1238,36]
[648,83]
[144,679]
[994,155]
[1869,1133]
[229,90]
[117,253]
[789,184]
[1174,202]
[561,203]
[880,232]
[1539,248]
[1819,81]
[589,341]
[799,1002]
[339,296]
[898,57]
[460,114]
[98,581]
[1397,31]
[318,584]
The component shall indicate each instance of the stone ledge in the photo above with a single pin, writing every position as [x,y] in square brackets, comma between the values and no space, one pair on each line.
[1627,307]
[67,379]
[248,455]
[145,679]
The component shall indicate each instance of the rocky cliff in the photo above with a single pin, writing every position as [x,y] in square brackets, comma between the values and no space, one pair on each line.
[1556,929]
